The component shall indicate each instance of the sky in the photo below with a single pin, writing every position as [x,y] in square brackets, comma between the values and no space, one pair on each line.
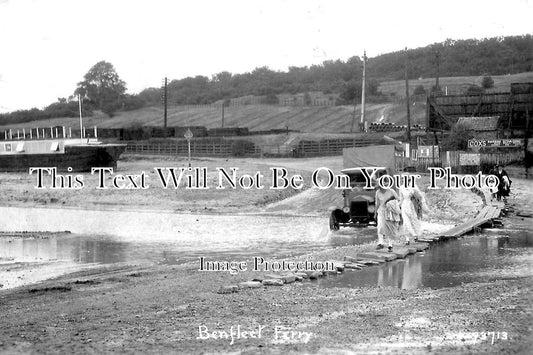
[47,46]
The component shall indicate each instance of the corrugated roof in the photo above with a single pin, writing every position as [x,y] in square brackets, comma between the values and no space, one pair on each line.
[480,123]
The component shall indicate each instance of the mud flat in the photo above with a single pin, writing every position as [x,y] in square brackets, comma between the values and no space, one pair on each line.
[176,308]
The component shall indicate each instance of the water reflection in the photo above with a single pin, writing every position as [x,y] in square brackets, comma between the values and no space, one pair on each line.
[62,247]
[115,236]
[477,258]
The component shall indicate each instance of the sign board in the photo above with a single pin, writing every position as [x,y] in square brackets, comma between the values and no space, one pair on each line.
[495,143]
[188,135]
[469,159]
[428,151]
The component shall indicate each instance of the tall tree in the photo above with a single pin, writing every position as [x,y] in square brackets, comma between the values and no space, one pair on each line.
[103,87]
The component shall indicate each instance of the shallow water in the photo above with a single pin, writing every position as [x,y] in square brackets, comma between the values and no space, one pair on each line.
[475,258]
[111,237]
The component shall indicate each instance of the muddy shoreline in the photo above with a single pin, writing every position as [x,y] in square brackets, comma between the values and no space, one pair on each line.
[164,308]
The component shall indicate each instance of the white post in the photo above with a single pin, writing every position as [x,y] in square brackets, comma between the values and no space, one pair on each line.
[18,134]
[37,130]
[64,132]
[189,143]
[70,132]
[83,135]
[57,135]
[51,133]
[81,119]
[95,132]
[23,133]
[44,135]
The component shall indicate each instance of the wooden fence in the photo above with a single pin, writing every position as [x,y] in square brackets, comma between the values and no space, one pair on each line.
[198,148]
[332,146]
[227,148]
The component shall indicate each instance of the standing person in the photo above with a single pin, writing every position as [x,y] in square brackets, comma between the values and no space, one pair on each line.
[493,190]
[412,204]
[504,187]
[388,215]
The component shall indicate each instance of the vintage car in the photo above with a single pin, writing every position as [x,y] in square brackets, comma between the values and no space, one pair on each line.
[358,205]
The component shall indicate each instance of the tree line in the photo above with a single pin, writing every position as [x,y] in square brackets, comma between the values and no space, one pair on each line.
[102,89]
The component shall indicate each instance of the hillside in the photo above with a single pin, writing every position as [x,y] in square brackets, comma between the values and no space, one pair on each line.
[255,117]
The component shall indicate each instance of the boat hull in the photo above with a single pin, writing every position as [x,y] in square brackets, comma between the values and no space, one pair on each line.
[81,158]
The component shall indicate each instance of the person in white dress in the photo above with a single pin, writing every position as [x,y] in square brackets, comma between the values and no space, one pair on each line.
[412,204]
[388,216]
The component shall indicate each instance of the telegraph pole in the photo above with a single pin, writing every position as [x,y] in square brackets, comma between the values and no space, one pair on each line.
[407,99]
[363,93]
[165,101]
[222,114]
[437,58]
[362,98]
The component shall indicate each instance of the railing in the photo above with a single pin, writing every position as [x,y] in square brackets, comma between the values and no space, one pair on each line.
[198,148]
[226,148]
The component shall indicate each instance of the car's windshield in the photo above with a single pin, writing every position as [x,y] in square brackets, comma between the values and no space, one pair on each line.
[357,178]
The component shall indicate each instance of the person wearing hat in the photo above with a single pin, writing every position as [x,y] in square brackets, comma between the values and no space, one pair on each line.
[504,186]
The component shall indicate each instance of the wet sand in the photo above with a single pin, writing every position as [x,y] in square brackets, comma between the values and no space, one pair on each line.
[165,308]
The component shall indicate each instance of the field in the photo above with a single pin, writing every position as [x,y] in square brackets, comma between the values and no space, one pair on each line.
[314,119]
[455,85]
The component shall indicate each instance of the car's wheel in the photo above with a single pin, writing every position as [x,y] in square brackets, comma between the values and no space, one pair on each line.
[333,222]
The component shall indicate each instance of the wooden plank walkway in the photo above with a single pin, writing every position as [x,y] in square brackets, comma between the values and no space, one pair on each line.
[487,214]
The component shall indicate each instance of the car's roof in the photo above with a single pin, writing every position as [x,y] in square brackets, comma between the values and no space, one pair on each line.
[351,171]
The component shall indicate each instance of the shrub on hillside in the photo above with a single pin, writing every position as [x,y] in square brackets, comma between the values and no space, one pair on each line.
[487,82]
[419,90]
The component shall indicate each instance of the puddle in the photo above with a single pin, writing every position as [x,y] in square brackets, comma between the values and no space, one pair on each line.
[472,259]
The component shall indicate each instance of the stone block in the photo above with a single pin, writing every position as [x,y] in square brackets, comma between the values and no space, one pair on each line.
[272,282]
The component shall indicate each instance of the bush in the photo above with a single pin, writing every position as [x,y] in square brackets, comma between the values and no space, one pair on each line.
[307,99]
[272,99]
[487,82]
[419,90]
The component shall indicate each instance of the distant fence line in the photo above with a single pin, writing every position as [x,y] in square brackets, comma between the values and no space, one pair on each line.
[224,148]
[198,148]
[282,102]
